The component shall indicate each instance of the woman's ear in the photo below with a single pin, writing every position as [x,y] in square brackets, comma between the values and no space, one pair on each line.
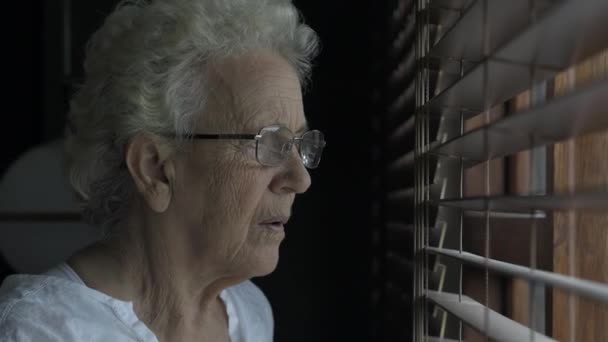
[148,161]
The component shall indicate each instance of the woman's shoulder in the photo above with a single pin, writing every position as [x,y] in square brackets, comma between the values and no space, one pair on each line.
[46,308]
[249,312]
[23,292]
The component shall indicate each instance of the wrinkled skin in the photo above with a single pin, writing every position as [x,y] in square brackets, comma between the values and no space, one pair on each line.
[194,227]
[221,191]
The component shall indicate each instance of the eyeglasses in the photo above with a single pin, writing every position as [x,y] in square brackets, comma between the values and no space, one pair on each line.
[274,143]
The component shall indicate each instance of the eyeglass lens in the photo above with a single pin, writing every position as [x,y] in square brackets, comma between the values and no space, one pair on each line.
[276,142]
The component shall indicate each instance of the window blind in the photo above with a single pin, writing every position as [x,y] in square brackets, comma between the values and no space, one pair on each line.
[496,186]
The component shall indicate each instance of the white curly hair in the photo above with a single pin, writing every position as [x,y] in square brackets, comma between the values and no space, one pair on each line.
[145,71]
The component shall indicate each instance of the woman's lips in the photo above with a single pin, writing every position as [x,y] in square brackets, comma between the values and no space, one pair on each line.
[275,223]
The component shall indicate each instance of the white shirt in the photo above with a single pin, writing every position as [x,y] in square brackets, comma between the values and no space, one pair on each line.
[58,306]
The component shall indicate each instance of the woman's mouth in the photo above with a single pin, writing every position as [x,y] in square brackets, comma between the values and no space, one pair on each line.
[275,223]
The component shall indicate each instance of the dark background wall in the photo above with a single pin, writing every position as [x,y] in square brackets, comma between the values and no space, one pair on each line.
[321,288]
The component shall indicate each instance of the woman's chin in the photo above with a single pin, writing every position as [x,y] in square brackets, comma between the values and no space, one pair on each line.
[266,261]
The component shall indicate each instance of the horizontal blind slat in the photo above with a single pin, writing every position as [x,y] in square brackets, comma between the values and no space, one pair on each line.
[529,203]
[404,38]
[405,99]
[582,112]
[504,80]
[590,289]
[534,215]
[464,40]
[403,8]
[404,71]
[406,128]
[405,161]
[509,69]
[572,31]
[473,313]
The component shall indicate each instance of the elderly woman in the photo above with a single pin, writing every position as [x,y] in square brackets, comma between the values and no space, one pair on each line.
[188,143]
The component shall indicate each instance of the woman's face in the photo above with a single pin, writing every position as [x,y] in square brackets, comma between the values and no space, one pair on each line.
[228,209]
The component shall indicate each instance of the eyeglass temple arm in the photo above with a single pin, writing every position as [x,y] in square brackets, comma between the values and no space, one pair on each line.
[225,136]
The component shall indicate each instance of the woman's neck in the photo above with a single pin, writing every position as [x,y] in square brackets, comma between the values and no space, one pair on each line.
[165,294]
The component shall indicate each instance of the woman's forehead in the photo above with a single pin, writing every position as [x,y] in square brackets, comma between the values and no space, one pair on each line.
[264,79]
[262,90]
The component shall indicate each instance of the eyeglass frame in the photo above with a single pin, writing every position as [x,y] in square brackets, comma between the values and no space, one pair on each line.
[244,136]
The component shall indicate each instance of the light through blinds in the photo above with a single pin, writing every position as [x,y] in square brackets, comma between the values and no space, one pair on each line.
[497,168]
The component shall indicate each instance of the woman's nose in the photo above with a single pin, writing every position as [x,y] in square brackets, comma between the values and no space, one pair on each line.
[301,176]
[295,177]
